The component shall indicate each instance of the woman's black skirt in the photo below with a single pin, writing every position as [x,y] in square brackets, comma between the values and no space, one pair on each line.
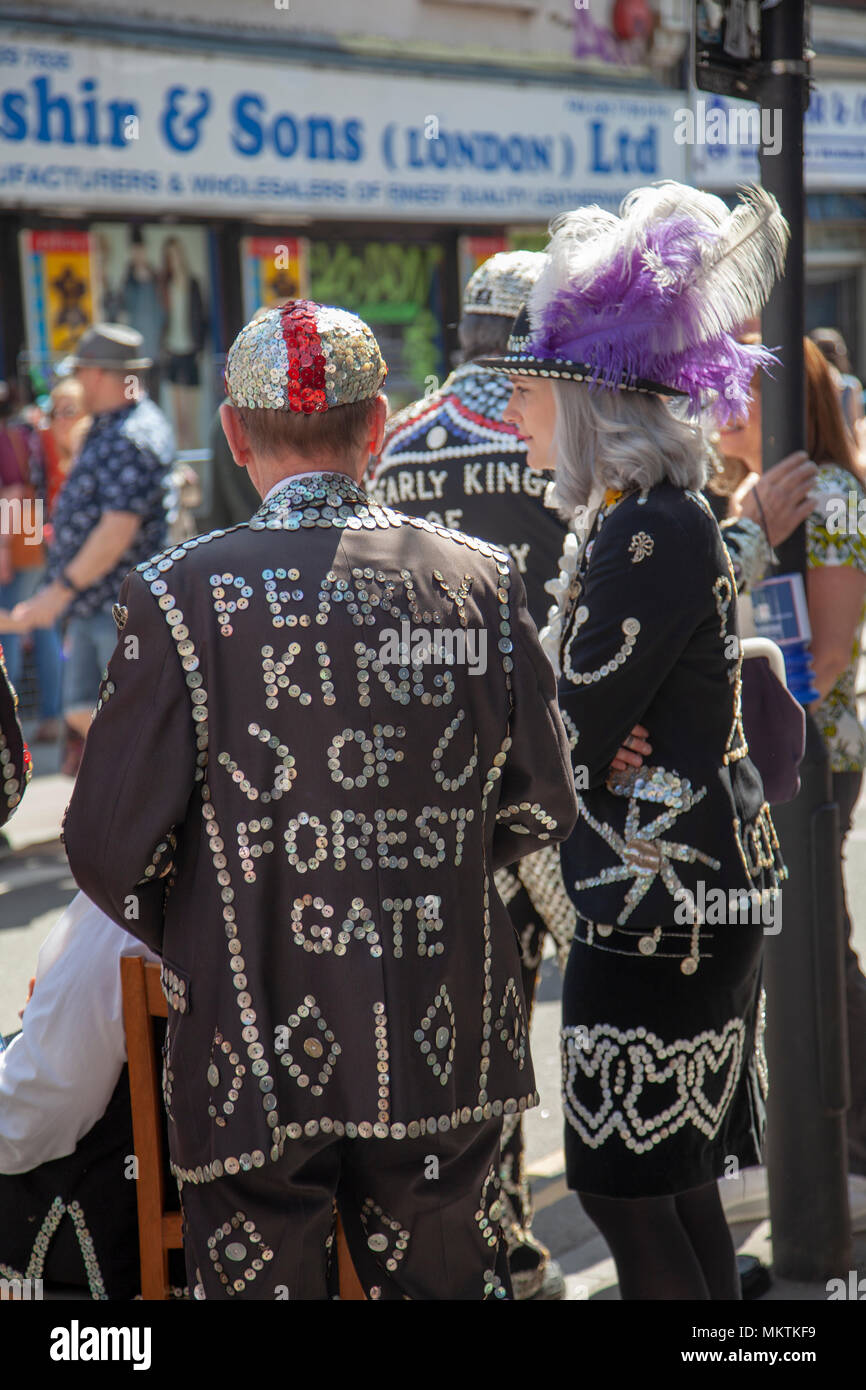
[663,1069]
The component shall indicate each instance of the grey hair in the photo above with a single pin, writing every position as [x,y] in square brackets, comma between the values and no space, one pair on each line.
[484,335]
[621,439]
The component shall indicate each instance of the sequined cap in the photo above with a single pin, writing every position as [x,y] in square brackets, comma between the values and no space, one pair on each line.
[304,357]
[502,283]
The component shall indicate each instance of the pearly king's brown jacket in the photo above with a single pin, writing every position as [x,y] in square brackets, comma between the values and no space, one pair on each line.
[305,825]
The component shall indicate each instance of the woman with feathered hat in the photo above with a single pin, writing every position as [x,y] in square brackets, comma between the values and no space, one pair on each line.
[628,337]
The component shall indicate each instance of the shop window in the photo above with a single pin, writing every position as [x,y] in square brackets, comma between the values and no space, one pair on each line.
[157,278]
[395,288]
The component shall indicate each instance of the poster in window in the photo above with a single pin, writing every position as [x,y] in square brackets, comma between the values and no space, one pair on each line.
[60,297]
[275,269]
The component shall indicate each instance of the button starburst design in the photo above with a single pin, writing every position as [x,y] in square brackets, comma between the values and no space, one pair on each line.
[644,855]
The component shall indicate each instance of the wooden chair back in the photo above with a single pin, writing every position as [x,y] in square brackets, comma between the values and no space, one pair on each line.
[158,1230]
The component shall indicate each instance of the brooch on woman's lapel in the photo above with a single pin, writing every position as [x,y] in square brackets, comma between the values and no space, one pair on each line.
[640,546]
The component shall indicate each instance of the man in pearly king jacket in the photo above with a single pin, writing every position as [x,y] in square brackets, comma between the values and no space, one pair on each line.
[319,735]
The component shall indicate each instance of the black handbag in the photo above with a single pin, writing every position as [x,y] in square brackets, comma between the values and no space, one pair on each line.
[775,727]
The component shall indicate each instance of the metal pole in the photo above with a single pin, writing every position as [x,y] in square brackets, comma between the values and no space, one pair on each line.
[806,1020]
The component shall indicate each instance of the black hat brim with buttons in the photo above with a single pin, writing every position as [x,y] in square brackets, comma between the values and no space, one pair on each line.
[519,360]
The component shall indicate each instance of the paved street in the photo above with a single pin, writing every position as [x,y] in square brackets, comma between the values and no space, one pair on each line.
[35,886]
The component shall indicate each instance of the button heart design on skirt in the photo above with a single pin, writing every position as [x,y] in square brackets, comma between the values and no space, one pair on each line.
[612,1080]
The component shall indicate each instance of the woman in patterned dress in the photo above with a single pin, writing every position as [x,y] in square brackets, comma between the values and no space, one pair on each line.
[836,593]
[673,866]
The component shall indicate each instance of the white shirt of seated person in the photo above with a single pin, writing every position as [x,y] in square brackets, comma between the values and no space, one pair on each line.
[59,1073]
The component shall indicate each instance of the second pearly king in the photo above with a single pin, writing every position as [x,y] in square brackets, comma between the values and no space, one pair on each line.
[305,816]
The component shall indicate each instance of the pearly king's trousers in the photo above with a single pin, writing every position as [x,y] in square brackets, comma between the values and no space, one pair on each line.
[421,1218]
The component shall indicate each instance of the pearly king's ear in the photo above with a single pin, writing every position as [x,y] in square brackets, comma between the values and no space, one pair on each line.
[236,436]
[378,418]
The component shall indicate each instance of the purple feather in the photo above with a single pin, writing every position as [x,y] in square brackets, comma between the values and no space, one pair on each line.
[646,313]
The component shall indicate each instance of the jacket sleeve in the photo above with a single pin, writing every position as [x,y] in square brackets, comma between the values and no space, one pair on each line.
[137,773]
[749,551]
[537,804]
[641,602]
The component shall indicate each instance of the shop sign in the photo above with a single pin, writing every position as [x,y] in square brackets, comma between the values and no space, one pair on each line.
[128,128]
[724,136]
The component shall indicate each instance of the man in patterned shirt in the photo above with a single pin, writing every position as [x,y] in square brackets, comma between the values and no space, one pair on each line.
[110,515]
